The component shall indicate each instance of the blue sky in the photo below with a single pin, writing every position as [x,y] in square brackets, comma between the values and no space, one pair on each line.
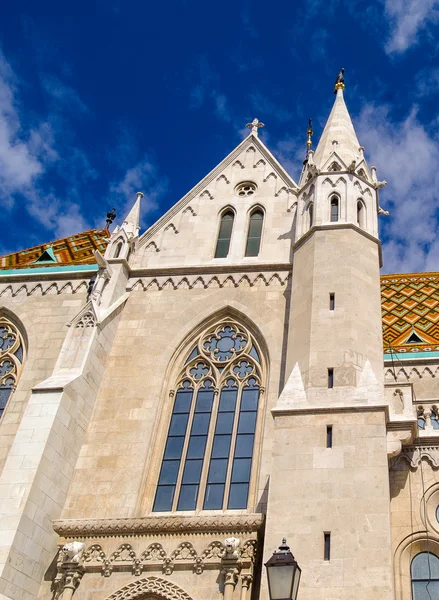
[103,98]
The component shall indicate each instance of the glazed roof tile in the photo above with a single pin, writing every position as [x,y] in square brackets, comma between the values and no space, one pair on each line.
[410,304]
[72,250]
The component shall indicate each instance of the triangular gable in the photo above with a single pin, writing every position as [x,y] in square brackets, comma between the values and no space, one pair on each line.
[250,140]
[47,256]
[334,157]
[410,338]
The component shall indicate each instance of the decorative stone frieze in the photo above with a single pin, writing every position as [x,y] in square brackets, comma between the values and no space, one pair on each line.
[159,525]
[190,282]
[43,289]
[130,557]
[412,455]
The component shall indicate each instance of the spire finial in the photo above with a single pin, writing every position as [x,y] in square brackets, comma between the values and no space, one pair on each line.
[309,133]
[339,82]
[255,125]
[111,215]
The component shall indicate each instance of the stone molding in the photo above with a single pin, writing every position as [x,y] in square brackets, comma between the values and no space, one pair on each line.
[159,525]
[203,282]
[46,288]
[412,455]
[150,585]
[404,374]
[133,558]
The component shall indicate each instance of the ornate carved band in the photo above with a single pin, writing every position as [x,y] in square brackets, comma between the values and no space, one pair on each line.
[159,525]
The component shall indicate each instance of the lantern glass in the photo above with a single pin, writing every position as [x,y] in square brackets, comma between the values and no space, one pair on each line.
[280,578]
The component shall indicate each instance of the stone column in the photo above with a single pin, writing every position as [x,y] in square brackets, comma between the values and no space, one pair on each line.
[246,581]
[68,578]
[230,573]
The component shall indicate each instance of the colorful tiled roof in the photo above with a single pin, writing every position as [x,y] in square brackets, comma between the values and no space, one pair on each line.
[410,312]
[73,250]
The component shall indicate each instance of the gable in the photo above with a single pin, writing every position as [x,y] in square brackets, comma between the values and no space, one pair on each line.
[248,176]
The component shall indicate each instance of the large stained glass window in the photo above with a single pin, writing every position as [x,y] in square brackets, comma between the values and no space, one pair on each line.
[11,360]
[208,456]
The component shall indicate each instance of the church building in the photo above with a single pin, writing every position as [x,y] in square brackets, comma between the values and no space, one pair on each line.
[176,403]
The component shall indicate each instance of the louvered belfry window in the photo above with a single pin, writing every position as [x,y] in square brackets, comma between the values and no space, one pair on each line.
[208,456]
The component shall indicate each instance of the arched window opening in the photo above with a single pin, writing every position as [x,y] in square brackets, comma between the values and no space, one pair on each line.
[11,360]
[208,455]
[361,214]
[334,208]
[311,214]
[425,576]
[117,250]
[254,233]
[224,235]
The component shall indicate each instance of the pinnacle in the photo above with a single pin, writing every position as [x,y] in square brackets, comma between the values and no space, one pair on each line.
[338,136]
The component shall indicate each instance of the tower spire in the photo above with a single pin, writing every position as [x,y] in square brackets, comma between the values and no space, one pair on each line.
[339,134]
[131,222]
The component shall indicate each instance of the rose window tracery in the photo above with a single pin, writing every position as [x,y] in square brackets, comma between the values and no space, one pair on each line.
[208,454]
[11,360]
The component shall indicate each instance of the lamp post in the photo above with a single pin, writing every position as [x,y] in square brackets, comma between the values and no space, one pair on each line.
[283,574]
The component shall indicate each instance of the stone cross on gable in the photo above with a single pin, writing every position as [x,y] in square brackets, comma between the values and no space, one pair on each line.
[255,125]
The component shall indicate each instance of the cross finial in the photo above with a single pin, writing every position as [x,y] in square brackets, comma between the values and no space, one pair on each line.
[309,133]
[254,126]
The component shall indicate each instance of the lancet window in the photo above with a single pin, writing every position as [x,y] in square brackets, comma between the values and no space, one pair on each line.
[254,233]
[11,360]
[425,576]
[224,235]
[361,214]
[208,456]
[334,209]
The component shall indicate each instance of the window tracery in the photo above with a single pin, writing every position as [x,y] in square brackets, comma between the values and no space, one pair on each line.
[11,360]
[425,576]
[208,454]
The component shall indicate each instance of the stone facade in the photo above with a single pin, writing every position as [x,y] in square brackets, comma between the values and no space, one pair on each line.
[111,345]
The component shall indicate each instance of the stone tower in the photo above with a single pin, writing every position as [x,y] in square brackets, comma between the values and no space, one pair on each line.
[329,472]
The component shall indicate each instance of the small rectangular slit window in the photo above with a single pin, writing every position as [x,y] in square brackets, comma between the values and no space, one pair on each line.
[329,436]
[331,301]
[327,550]
[330,378]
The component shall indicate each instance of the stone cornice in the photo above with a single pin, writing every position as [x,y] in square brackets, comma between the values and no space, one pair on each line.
[338,225]
[159,525]
[212,269]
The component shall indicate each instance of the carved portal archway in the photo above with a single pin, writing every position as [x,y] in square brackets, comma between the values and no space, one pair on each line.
[154,587]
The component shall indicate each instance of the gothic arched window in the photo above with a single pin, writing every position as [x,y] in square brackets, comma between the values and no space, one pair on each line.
[361,214]
[118,250]
[254,233]
[11,360]
[207,460]
[334,208]
[225,234]
[425,576]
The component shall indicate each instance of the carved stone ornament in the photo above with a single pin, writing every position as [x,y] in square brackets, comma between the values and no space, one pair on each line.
[154,586]
[231,545]
[162,525]
[126,558]
[412,455]
[70,570]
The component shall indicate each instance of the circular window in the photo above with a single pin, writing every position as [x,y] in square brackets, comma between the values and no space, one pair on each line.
[246,188]
[437,514]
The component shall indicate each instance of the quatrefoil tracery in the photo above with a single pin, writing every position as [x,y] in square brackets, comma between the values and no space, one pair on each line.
[224,352]
[11,354]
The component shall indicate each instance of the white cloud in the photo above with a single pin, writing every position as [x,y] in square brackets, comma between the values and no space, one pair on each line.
[407,19]
[407,156]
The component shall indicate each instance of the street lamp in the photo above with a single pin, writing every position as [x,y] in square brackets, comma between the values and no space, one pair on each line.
[283,574]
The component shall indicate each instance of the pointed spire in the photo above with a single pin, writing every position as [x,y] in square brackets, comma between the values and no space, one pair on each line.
[131,223]
[339,134]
